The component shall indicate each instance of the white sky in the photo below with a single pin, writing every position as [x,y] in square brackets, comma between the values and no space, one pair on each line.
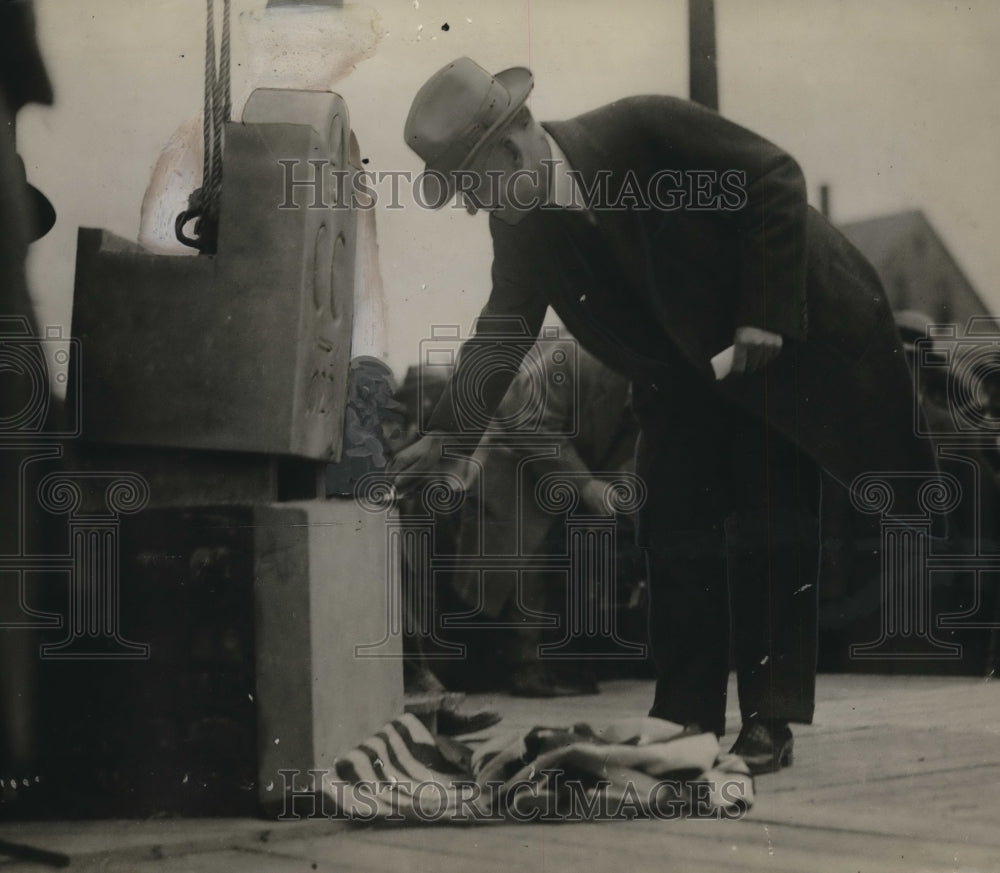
[893,103]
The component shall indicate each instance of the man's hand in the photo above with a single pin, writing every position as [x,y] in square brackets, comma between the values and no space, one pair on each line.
[411,466]
[423,456]
[753,349]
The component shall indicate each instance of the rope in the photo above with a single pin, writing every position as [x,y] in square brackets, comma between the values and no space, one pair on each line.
[211,102]
[223,101]
[203,204]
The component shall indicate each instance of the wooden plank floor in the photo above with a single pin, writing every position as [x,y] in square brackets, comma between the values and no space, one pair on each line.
[897,774]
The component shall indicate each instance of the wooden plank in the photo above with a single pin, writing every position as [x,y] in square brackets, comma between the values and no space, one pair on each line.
[888,779]
[957,807]
[136,841]
[233,861]
[688,846]
[866,755]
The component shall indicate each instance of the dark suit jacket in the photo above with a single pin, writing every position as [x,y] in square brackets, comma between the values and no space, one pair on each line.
[654,291]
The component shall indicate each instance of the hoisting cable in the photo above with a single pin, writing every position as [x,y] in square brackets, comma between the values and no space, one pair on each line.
[203,204]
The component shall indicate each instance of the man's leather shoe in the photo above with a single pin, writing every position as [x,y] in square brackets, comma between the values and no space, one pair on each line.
[451,723]
[766,746]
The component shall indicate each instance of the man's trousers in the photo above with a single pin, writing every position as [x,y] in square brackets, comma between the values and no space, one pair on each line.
[731,535]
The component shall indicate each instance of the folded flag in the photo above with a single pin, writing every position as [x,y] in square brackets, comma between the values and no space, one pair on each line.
[633,768]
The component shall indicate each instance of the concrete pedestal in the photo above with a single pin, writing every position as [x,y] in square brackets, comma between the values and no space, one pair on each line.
[251,616]
[317,695]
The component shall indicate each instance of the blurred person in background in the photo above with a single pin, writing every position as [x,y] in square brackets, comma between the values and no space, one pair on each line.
[25,215]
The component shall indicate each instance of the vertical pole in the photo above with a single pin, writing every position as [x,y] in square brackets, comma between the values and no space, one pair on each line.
[703,77]
[824,201]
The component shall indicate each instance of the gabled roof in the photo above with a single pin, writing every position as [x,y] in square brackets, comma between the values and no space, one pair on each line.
[892,242]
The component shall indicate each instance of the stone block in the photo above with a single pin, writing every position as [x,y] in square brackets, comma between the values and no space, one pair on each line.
[251,616]
[188,478]
[308,636]
[246,349]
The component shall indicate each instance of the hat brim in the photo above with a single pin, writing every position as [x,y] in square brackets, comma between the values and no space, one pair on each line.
[41,214]
[518,81]
[44,213]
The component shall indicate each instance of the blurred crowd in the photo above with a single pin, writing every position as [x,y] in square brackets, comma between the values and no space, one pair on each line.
[566,418]
[510,625]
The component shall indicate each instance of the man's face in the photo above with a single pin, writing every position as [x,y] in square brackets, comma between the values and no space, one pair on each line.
[509,174]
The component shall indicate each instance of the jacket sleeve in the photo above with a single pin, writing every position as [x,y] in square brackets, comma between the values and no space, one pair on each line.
[767,208]
[506,328]
[549,408]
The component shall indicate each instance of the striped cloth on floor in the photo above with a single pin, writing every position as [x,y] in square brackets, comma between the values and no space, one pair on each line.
[633,768]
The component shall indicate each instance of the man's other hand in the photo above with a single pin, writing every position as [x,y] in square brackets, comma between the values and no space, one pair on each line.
[753,349]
